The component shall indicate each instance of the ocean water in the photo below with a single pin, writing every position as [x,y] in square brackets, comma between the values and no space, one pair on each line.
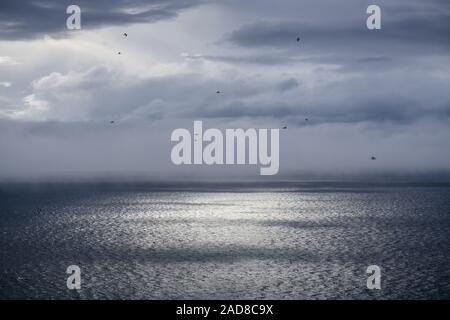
[310,240]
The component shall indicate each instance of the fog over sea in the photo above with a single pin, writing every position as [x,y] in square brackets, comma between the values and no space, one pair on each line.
[291,240]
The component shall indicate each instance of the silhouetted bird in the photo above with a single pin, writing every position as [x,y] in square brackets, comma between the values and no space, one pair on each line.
[298,39]
[111,122]
[306,119]
[373,158]
[284,127]
[217,91]
[119,52]
[125,34]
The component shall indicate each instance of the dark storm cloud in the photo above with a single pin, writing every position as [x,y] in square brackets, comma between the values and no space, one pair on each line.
[409,31]
[32,18]
[408,27]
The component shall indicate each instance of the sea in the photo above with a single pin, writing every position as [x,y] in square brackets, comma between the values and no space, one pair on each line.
[179,240]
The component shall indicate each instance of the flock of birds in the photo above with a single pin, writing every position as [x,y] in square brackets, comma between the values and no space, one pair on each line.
[219,92]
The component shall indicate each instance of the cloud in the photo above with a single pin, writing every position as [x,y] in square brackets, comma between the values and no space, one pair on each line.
[288,84]
[257,59]
[5,60]
[409,29]
[5,84]
[103,93]
[29,18]
[364,92]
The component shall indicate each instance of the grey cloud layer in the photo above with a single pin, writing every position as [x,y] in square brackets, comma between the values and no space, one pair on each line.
[139,150]
[364,92]
[382,96]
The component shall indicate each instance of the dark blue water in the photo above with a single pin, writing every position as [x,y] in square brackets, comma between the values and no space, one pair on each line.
[229,241]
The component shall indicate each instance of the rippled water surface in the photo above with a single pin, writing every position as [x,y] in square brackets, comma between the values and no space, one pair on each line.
[279,241]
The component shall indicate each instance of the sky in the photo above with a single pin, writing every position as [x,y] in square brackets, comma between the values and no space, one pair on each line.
[382,93]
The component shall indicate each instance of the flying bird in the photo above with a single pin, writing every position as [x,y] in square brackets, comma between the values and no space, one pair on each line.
[217,91]
[112,121]
[119,52]
[298,39]
[125,34]
[306,119]
[284,128]
[373,158]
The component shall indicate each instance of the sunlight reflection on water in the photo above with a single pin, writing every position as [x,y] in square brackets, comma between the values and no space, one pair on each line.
[281,243]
